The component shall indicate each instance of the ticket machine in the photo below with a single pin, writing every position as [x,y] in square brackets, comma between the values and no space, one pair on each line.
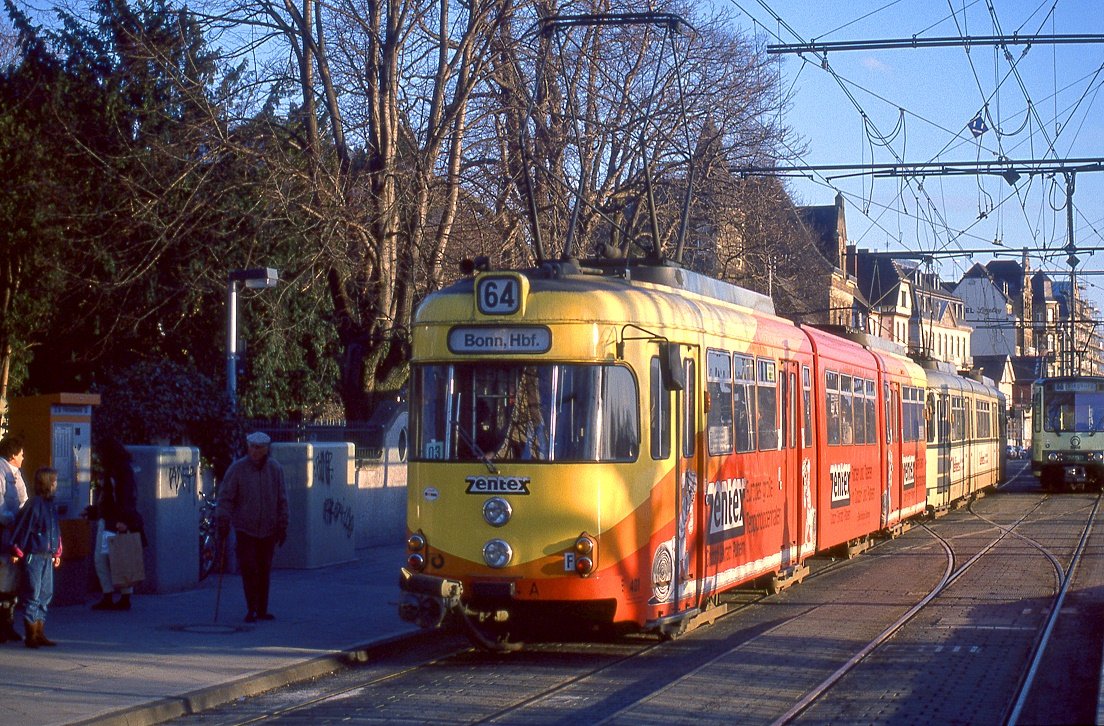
[56,430]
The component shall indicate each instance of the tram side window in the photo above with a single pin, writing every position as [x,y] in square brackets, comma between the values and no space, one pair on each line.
[618,418]
[431,385]
[914,414]
[659,413]
[984,420]
[860,411]
[958,418]
[847,411]
[807,408]
[832,406]
[908,420]
[871,417]
[767,401]
[864,397]
[933,419]
[719,387]
[743,369]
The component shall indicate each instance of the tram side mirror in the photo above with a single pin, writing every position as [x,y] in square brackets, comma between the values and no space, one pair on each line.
[670,367]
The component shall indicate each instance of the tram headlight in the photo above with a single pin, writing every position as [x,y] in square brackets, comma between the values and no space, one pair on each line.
[416,547]
[584,554]
[1096,456]
[497,553]
[1054,456]
[497,511]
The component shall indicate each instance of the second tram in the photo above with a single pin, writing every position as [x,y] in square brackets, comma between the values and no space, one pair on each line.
[1067,443]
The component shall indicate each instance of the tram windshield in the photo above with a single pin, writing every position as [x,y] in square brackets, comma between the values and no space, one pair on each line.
[1073,407]
[485,412]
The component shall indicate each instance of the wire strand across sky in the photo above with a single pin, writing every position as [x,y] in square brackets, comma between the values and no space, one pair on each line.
[917,105]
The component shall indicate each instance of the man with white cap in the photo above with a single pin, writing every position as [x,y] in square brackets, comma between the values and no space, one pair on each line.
[253,497]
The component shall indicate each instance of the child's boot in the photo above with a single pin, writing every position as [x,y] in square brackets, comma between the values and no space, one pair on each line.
[40,633]
[30,639]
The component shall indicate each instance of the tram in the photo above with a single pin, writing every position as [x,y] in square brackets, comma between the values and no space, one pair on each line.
[1067,442]
[615,447]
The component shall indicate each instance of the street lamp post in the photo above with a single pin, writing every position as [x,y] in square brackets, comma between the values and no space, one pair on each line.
[253,278]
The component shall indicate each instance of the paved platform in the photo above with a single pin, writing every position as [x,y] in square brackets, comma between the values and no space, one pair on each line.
[169,656]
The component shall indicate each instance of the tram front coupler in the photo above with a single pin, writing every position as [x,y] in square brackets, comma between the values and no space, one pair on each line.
[427,600]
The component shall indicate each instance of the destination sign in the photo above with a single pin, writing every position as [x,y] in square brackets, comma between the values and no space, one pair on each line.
[1077,386]
[516,339]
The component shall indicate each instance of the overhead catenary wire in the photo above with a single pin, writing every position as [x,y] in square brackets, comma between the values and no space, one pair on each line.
[924,210]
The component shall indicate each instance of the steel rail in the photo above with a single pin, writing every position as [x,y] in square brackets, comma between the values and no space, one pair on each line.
[949,577]
[1066,578]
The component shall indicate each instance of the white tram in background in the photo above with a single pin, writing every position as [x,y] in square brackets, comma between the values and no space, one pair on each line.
[1067,443]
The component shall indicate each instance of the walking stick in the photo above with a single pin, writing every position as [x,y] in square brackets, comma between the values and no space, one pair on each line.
[222,569]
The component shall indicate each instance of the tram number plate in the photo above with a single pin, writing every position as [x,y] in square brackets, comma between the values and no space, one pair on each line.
[498,295]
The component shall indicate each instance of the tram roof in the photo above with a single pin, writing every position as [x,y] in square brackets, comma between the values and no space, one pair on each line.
[572,275]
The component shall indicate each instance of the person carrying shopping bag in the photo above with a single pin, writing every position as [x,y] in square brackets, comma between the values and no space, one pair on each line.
[117,510]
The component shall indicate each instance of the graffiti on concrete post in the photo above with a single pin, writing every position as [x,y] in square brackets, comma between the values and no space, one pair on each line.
[323,467]
[181,479]
[334,511]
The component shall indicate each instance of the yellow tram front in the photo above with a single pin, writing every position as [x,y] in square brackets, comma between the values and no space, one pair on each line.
[529,504]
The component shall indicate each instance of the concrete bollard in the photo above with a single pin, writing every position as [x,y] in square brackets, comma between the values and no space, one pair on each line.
[168,479]
[322,520]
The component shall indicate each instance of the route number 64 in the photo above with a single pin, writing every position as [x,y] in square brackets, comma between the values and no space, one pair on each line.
[498,295]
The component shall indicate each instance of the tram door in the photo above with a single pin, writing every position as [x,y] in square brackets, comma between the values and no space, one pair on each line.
[939,444]
[894,468]
[791,441]
[689,470]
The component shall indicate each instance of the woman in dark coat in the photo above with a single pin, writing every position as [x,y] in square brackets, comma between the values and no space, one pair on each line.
[117,507]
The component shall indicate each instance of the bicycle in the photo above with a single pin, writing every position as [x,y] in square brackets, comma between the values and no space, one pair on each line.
[208,534]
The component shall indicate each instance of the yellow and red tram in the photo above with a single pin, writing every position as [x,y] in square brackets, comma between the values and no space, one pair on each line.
[617,447]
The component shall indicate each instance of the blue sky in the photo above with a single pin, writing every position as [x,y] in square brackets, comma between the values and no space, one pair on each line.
[914,105]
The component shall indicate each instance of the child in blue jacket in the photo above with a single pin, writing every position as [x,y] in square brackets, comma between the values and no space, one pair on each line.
[36,539]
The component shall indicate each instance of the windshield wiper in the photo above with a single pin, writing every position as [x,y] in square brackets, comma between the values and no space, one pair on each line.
[474,447]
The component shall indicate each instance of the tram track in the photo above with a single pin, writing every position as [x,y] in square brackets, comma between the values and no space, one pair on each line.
[1064,577]
[312,696]
[603,682]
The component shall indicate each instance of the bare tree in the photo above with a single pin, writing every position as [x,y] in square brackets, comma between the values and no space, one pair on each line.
[424,129]
[382,89]
[599,123]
